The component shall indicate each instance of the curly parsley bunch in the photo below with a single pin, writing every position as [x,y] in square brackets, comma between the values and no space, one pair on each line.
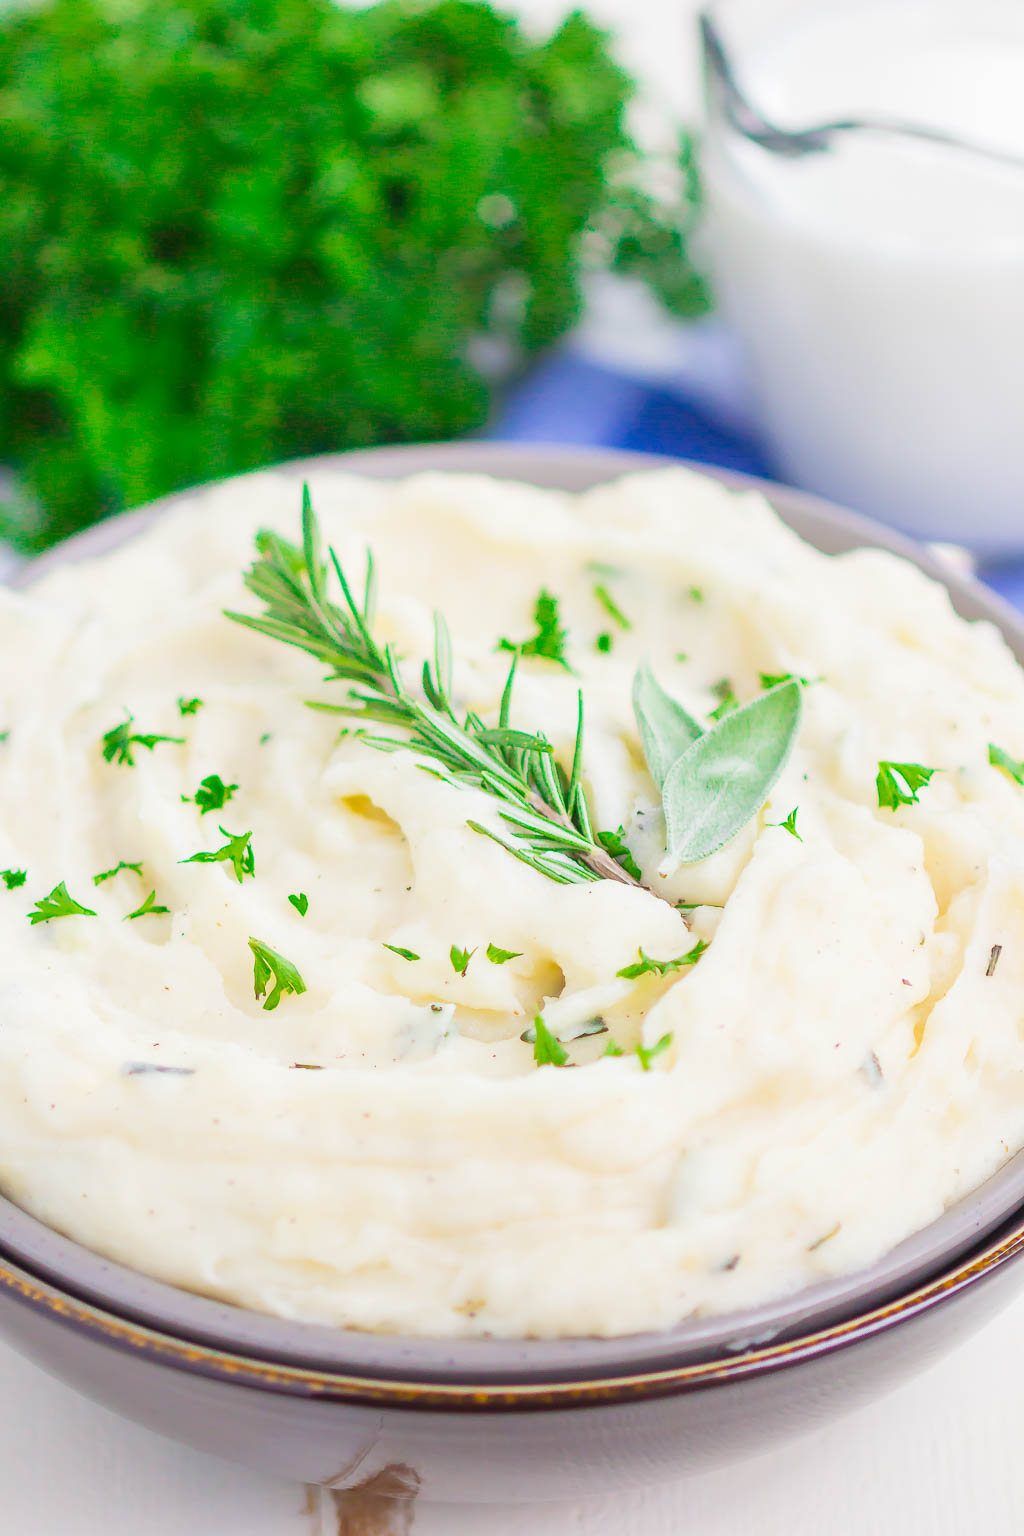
[235,231]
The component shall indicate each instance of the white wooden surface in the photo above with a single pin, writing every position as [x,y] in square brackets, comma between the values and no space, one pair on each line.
[941,1457]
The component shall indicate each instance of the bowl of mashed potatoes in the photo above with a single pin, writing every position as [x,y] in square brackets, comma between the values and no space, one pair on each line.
[537,929]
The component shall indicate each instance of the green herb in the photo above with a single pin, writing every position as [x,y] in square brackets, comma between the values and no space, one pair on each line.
[267,736]
[665,727]
[724,777]
[549,641]
[645,966]
[1000,759]
[611,607]
[615,844]
[213,794]
[337,202]
[603,643]
[681,656]
[305,1066]
[499,956]
[773,679]
[404,954]
[4,735]
[727,700]
[545,808]
[267,965]
[789,825]
[12,878]
[898,783]
[547,1051]
[611,1049]
[58,904]
[695,594]
[189,706]
[148,909]
[647,1054]
[119,740]
[460,959]
[300,902]
[108,874]
[237,852]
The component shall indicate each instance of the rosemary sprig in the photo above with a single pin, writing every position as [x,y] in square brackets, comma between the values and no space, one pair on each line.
[545,808]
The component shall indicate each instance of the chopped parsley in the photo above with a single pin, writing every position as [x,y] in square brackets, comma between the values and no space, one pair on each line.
[58,904]
[12,878]
[695,594]
[898,783]
[727,700]
[237,852]
[189,706]
[108,874]
[269,966]
[603,643]
[615,844]
[1000,759]
[645,966]
[648,1053]
[213,794]
[300,902]
[789,825]
[460,958]
[4,735]
[547,1050]
[611,607]
[119,740]
[549,641]
[499,956]
[774,679]
[148,909]
[612,1049]
[404,954]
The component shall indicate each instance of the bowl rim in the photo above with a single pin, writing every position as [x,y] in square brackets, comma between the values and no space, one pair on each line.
[214,1324]
[110,1330]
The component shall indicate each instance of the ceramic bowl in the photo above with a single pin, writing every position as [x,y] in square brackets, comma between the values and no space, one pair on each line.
[479,1419]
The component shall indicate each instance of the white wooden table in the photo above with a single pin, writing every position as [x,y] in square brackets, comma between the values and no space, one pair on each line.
[940,1457]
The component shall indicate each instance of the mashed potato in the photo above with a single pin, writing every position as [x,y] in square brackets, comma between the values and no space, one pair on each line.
[843,1062]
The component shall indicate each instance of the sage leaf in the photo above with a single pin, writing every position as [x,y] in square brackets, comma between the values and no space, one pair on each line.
[666,730]
[725,776]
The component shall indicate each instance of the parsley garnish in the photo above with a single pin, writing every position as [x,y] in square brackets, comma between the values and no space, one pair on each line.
[789,825]
[603,643]
[499,956]
[4,735]
[611,607]
[1000,759]
[300,902]
[648,1053]
[267,964]
[404,954]
[645,966]
[12,878]
[460,958]
[119,740]
[898,783]
[695,595]
[727,699]
[189,706]
[213,794]
[773,679]
[108,874]
[58,904]
[148,909]
[237,852]
[547,1051]
[612,1049]
[615,844]
[549,641]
